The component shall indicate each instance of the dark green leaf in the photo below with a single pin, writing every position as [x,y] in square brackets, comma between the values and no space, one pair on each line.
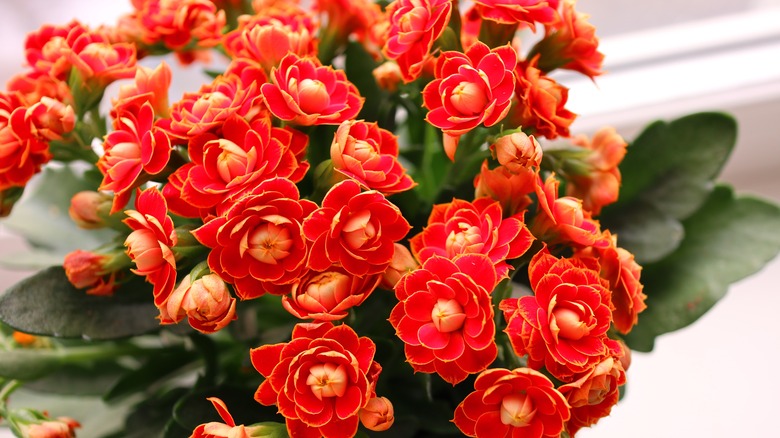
[156,368]
[667,173]
[42,218]
[359,67]
[726,240]
[28,364]
[93,378]
[151,417]
[47,304]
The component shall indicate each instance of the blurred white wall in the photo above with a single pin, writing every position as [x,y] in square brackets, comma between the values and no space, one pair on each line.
[716,378]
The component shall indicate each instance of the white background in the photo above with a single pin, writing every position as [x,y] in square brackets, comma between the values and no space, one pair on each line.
[716,378]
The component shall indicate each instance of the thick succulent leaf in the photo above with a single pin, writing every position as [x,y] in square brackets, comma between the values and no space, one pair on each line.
[668,172]
[41,216]
[47,304]
[727,239]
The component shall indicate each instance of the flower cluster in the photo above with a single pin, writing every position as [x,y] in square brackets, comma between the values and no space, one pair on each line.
[287,182]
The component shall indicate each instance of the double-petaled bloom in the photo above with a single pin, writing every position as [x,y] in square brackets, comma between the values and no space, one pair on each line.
[470,89]
[257,243]
[510,189]
[239,159]
[353,229]
[320,380]
[97,59]
[22,150]
[135,146]
[445,316]
[414,26]
[573,42]
[178,24]
[563,220]
[266,39]
[150,246]
[518,11]
[563,326]
[305,92]
[328,295]
[517,403]
[541,102]
[462,227]
[368,154]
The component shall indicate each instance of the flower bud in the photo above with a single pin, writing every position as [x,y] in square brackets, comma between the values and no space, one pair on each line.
[377,415]
[60,428]
[88,209]
[86,269]
[517,151]
[388,76]
[206,302]
[402,262]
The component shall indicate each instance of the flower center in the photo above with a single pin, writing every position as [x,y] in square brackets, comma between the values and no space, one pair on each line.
[517,410]
[269,243]
[414,20]
[327,289]
[467,240]
[313,97]
[359,229]
[327,380]
[232,161]
[447,315]
[468,99]
[569,324]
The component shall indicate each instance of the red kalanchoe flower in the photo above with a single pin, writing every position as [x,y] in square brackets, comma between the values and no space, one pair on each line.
[368,154]
[592,395]
[305,92]
[414,26]
[623,273]
[518,11]
[445,316]
[563,326]
[266,39]
[470,89]
[257,242]
[207,110]
[136,145]
[570,42]
[328,295]
[150,85]
[320,380]
[150,245]
[177,23]
[511,190]
[354,230]
[462,227]
[600,185]
[517,403]
[563,220]
[541,102]
[22,152]
[98,60]
[227,429]
[239,160]
[45,49]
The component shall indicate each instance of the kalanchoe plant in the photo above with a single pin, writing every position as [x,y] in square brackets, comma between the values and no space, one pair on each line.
[358,225]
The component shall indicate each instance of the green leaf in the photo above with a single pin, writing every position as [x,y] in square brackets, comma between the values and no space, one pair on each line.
[47,304]
[727,239]
[41,216]
[151,417]
[667,174]
[28,364]
[84,379]
[156,368]
[359,67]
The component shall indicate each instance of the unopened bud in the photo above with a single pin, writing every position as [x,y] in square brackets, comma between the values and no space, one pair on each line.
[377,415]
[517,151]
[87,209]
[402,262]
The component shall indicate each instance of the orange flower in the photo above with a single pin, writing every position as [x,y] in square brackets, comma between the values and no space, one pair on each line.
[305,92]
[22,152]
[228,429]
[517,11]
[86,269]
[368,154]
[517,403]
[149,86]
[268,38]
[600,186]
[571,43]
[135,146]
[33,85]
[511,190]
[541,102]
[328,295]
[414,26]
[45,49]
[150,245]
[52,118]
[97,60]
[206,302]
[177,23]
[563,220]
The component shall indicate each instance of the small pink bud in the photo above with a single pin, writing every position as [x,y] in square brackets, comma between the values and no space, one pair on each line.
[377,415]
[517,151]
